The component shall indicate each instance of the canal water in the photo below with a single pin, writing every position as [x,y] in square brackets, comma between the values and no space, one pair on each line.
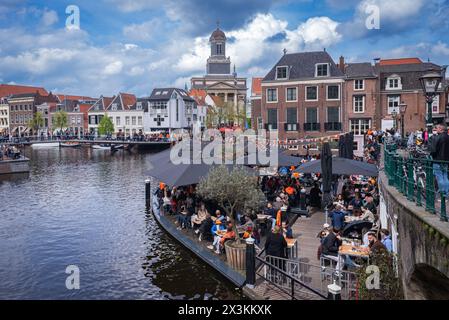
[86,208]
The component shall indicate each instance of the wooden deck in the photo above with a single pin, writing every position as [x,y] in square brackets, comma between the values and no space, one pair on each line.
[305,230]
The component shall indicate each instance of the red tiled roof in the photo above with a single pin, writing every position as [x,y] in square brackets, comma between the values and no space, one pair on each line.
[199,96]
[390,62]
[8,89]
[107,101]
[256,87]
[218,100]
[128,100]
[84,107]
[63,97]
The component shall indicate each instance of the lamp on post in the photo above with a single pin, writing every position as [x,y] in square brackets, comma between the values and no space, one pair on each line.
[394,114]
[402,110]
[430,83]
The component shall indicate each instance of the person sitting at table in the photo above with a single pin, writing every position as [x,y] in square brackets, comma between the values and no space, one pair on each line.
[324,232]
[356,203]
[229,235]
[216,228]
[337,216]
[367,215]
[331,245]
[375,246]
[369,204]
[198,219]
[205,228]
[386,239]
[270,211]
[182,218]
[275,243]
[218,216]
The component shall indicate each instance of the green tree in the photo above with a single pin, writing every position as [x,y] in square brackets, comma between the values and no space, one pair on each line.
[37,122]
[60,120]
[106,127]
[233,190]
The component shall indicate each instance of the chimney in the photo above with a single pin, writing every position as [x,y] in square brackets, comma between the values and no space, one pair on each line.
[341,64]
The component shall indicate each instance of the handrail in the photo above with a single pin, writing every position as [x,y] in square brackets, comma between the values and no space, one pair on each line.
[292,278]
[415,178]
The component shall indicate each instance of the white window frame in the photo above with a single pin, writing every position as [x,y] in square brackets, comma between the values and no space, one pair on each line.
[363,104]
[317,114]
[286,73]
[389,109]
[327,92]
[277,96]
[317,93]
[286,94]
[394,77]
[363,85]
[296,122]
[359,133]
[322,64]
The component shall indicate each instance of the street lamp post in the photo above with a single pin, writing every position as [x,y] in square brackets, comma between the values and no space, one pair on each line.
[402,110]
[430,83]
[394,114]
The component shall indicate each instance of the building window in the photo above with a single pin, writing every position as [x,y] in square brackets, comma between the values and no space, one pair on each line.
[333,114]
[360,126]
[133,121]
[311,93]
[359,104]
[311,115]
[127,121]
[272,95]
[359,84]
[219,49]
[333,92]
[117,121]
[322,70]
[259,123]
[394,83]
[177,110]
[114,107]
[292,119]
[272,119]
[393,104]
[281,73]
[291,94]
[139,121]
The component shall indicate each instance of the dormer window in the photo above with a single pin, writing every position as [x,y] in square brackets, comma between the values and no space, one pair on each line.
[322,70]
[114,107]
[394,83]
[158,93]
[281,73]
[165,93]
[139,106]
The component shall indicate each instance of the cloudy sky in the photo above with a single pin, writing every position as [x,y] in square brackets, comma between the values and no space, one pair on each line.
[136,45]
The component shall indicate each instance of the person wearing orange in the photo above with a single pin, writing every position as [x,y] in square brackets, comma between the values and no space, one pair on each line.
[290,190]
[161,185]
[230,234]
[281,214]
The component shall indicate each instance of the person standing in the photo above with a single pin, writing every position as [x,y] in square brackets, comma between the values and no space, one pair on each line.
[439,150]
[275,244]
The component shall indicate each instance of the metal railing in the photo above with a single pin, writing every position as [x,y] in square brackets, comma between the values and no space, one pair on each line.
[416,178]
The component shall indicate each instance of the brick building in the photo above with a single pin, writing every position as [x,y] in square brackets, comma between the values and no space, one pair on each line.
[302,96]
[256,104]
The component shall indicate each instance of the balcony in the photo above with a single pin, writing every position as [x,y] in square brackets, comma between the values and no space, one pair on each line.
[288,127]
[311,127]
[332,126]
[271,126]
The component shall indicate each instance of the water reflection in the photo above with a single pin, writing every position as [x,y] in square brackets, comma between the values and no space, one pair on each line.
[86,207]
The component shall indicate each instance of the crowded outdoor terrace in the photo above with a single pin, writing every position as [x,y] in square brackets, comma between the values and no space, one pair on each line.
[350,231]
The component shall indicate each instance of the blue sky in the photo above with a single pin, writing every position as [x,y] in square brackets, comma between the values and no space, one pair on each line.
[136,45]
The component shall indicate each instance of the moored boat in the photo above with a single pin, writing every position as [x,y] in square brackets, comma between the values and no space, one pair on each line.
[18,165]
[70,144]
[101,147]
[45,145]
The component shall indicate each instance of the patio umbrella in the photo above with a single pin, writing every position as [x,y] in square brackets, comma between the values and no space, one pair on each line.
[283,160]
[342,166]
[341,147]
[326,165]
[186,174]
[349,143]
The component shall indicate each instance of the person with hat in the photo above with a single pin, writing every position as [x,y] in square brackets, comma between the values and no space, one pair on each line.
[216,229]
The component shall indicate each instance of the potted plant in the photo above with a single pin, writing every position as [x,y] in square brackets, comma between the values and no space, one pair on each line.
[233,190]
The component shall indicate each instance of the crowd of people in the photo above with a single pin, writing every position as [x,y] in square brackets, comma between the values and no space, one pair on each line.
[9,152]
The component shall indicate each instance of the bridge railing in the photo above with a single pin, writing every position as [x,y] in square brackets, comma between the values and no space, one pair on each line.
[417,179]
[84,138]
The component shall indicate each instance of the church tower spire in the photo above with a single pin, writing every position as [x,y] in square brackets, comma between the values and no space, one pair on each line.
[218,63]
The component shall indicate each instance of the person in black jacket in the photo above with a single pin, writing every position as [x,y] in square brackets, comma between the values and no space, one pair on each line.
[275,244]
[439,149]
[330,246]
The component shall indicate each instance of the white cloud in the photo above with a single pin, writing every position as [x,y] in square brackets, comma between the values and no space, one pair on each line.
[254,41]
[144,31]
[113,68]
[49,17]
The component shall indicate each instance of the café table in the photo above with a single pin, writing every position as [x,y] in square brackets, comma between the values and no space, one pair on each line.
[292,248]
[353,251]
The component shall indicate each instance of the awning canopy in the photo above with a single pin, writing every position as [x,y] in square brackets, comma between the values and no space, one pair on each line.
[342,166]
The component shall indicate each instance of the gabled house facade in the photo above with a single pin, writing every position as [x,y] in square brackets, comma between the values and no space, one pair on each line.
[302,96]
[170,108]
[96,113]
[126,114]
